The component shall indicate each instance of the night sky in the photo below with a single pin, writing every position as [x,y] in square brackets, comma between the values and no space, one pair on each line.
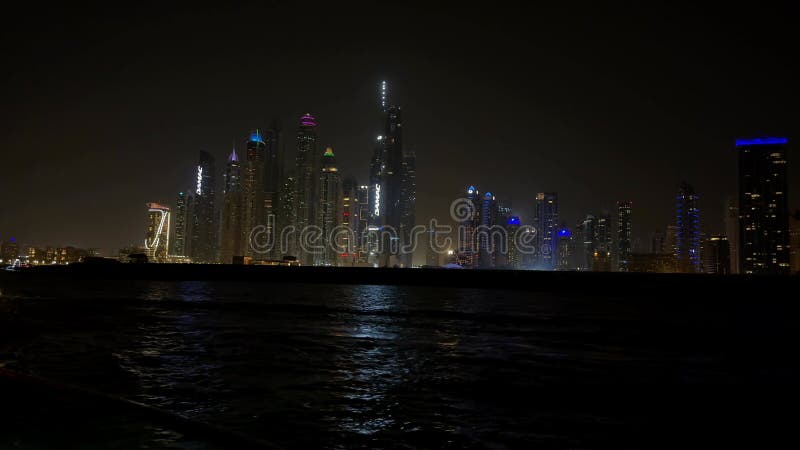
[105,109]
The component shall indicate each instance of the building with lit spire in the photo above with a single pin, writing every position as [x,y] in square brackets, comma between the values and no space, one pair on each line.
[330,197]
[253,208]
[231,244]
[306,182]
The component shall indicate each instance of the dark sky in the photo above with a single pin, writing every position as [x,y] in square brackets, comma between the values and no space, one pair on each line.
[105,108]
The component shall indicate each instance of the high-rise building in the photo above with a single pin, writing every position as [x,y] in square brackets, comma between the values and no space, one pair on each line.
[232,214]
[546,220]
[514,256]
[586,236]
[732,231]
[467,255]
[181,222]
[306,183]
[274,155]
[408,204]
[362,233]
[764,245]
[254,181]
[565,249]
[156,240]
[623,235]
[716,255]
[687,223]
[9,251]
[487,242]
[329,208]
[604,244]
[286,240]
[794,229]
[351,222]
[204,227]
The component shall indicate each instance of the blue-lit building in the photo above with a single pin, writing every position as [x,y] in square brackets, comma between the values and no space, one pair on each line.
[687,233]
[514,257]
[764,240]
[565,249]
[253,210]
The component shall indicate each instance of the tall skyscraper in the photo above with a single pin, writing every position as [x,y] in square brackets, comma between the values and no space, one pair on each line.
[586,235]
[687,223]
[156,240]
[732,231]
[716,255]
[487,244]
[764,245]
[351,221]
[514,256]
[286,240]
[254,208]
[467,255]
[546,220]
[408,203]
[232,214]
[363,223]
[565,249]
[623,235]
[180,219]
[329,208]
[204,227]
[273,182]
[304,193]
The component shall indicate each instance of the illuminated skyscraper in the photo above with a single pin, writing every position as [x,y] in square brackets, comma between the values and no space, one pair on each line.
[204,226]
[329,208]
[565,259]
[546,222]
[586,236]
[623,235]
[304,193]
[180,219]
[408,202]
[254,180]
[764,241]
[487,241]
[232,215]
[467,255]
[514,257]
[157,236]
[351,221]
[363,223]
[687,237]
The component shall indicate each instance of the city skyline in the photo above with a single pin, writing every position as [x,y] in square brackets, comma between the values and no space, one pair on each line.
[595,138]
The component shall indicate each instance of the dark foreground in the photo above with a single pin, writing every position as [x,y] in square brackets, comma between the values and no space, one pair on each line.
[289,359]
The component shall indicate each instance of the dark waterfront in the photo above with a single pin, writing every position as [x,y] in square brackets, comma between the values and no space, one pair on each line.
[376,366]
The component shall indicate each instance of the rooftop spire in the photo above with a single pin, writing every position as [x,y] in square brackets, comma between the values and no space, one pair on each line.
[384,94]
[328,151]
[233,156]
